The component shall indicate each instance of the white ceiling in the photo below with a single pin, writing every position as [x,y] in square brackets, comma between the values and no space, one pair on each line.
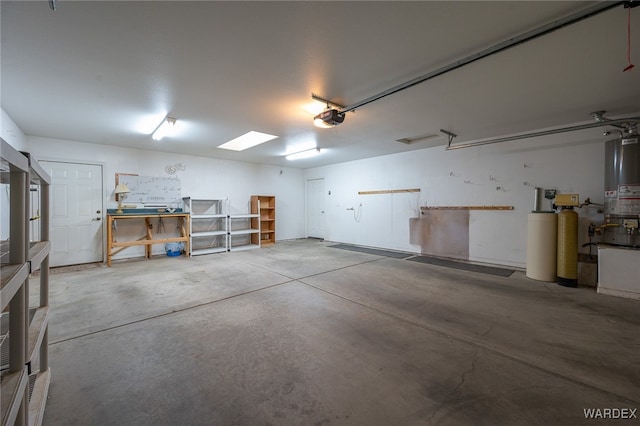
[107,72]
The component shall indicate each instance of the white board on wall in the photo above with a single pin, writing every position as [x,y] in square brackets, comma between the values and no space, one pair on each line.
[151,191]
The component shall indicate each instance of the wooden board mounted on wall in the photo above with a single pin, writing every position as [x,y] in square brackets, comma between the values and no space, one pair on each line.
[388,191]
[466,208]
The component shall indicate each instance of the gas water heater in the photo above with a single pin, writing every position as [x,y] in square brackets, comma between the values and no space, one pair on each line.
[622,190]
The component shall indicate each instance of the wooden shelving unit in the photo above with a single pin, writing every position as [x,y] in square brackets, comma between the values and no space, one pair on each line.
[265,207]
[24,338]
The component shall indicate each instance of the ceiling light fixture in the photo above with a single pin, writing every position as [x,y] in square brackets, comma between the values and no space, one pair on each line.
[163,129]
[246,141]
[304,154]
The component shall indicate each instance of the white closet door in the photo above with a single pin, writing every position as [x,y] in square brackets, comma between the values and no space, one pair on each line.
[315,208]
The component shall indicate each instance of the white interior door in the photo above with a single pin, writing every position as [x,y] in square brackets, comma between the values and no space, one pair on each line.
[76,212]
[315,208]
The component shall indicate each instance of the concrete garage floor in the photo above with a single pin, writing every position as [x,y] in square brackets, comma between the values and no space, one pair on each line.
[305,334]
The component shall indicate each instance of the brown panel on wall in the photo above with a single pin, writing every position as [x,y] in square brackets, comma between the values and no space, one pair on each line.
[442,233]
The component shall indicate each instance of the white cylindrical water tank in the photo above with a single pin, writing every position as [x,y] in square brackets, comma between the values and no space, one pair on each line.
[542,231]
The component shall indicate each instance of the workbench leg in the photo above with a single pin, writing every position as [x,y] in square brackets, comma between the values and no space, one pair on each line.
[147,247]
[109,239]
[183,233]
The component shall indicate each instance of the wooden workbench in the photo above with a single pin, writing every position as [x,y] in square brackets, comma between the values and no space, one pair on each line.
[114,247]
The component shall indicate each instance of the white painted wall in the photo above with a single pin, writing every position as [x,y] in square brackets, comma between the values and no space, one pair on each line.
[14,136]
[500,174]
[11,133]
[202,178]
[570,163]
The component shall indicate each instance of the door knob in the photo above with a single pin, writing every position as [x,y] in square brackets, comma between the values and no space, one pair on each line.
[97,218]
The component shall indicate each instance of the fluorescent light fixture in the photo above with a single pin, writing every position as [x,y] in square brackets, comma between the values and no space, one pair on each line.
[303,154]
[164,128]
[247,141]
